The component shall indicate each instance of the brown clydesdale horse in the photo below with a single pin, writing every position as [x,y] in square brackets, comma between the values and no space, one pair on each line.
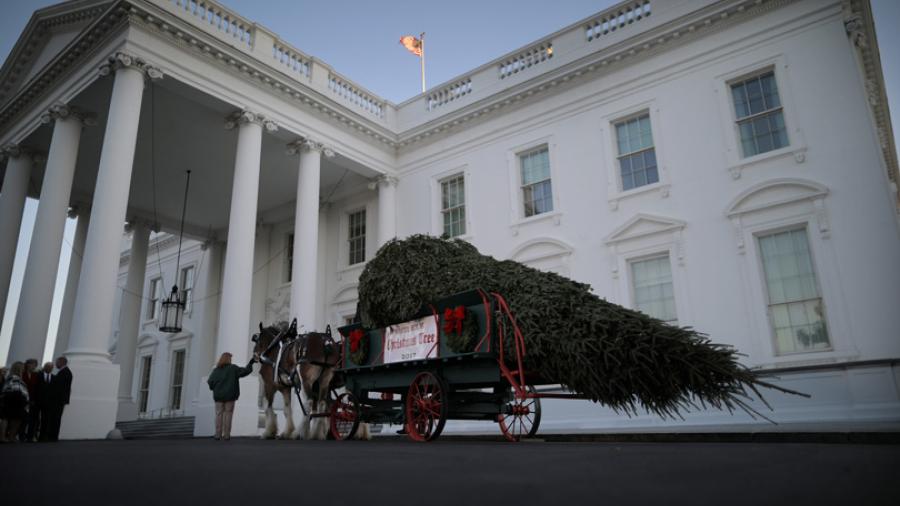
[302,363]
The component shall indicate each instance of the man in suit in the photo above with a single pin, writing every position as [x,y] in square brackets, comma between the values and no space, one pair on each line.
[45,401]
[61,386]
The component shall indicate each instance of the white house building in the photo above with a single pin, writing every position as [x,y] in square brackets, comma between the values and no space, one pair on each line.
[723,164]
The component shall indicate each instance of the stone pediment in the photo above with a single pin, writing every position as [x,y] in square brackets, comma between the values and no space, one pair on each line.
[774,193]
[539,249]
[45,36]
[642,225]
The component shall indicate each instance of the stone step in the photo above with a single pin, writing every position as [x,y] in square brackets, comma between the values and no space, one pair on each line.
[182,426]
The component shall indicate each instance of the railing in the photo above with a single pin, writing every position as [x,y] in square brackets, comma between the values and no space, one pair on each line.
[526,59]
[620,17]
[162,413]
[449,93]
[293,60]
[219,18]
[351,93]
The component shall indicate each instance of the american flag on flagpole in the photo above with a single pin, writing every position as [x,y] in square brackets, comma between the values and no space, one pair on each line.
[412,43]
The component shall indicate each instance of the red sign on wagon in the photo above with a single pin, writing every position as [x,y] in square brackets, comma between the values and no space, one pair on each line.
[412,340]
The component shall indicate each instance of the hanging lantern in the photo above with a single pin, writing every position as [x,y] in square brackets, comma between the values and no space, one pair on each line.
[172,312]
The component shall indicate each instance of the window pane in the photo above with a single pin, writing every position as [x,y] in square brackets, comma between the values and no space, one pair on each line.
[654,293]
[795,306]
[357,237]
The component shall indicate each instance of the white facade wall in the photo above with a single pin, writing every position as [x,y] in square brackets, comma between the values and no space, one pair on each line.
[705,213]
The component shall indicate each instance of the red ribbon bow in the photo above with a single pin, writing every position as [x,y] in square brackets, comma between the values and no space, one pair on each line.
[355,340]
[453,320]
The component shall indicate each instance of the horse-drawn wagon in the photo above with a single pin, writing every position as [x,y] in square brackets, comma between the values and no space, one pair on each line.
[458,359]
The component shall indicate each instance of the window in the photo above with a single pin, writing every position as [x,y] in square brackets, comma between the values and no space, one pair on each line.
[653,291]
[637,155]
[154,299]
[177,379]
[760,117]
[144,392]
[453,205]
[795,306]
[356,237]
[536,188]
[289,258]
[187,287]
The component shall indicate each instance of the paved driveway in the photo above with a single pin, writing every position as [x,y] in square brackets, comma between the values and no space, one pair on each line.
[397,472]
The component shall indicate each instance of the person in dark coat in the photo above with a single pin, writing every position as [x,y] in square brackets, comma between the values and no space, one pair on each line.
[61,388]
[223,381]
[13,403]
[45,402]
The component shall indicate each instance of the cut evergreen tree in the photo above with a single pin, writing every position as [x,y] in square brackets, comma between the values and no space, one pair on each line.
[610,354]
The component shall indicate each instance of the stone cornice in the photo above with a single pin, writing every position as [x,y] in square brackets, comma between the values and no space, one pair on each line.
[244,116]
[860,27]
[66,61]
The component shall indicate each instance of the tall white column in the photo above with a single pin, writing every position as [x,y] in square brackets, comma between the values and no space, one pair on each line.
[387,209]
[234,314]
[304,283]
[12,205]
[92,411]
[130,318]
[237,280]
[203,345]
[81,215]
[33,316]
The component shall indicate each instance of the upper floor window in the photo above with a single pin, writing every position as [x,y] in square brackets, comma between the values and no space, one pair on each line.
[795,305]
[760,116]
[356,237]
[154,299]
[187,287]
[144,387]
[637,155]
[537,194]
[654,294]
[453,205]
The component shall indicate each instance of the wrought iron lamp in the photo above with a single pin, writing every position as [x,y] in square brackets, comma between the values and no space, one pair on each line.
[172,311]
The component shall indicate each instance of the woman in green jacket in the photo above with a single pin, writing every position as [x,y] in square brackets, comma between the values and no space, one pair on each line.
[223,381]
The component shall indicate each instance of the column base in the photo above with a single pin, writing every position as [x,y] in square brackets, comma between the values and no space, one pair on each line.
[246,419]
[93,404]
[127,410]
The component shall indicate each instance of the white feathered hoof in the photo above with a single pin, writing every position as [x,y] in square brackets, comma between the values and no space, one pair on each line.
[363,433]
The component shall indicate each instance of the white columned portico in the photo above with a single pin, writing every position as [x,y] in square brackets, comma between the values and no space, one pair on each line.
[304,282]
[33,315]
[81,214]
[92,411]
[12,205]
[387,209]
[129,318]
[234,313]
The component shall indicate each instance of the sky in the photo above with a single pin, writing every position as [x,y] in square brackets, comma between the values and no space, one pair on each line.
[359,39]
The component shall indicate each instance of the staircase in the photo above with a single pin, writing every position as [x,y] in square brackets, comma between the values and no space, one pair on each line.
[162,428]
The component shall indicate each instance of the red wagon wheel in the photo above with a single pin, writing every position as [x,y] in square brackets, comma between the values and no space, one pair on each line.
[426,407]
[344,416]
[521,418]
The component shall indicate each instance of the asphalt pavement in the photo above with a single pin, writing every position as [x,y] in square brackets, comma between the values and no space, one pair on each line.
[396,472]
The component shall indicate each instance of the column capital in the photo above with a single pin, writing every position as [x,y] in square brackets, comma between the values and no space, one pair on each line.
[16,151]
[131,223]
[246,116]
[383,180]
[120,60]
[306,145]
[78,209]
[65,111]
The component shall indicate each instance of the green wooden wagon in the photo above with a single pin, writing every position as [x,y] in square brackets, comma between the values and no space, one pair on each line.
[459,358]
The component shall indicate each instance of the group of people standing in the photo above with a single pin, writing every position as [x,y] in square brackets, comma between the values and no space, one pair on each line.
[32,401]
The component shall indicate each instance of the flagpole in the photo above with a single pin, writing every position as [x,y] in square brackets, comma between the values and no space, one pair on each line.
[422,39]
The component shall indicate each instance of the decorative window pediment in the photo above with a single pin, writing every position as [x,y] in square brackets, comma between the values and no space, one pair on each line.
[775,193]
[545,254]
[346,294]
[147,341]
[642,225]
